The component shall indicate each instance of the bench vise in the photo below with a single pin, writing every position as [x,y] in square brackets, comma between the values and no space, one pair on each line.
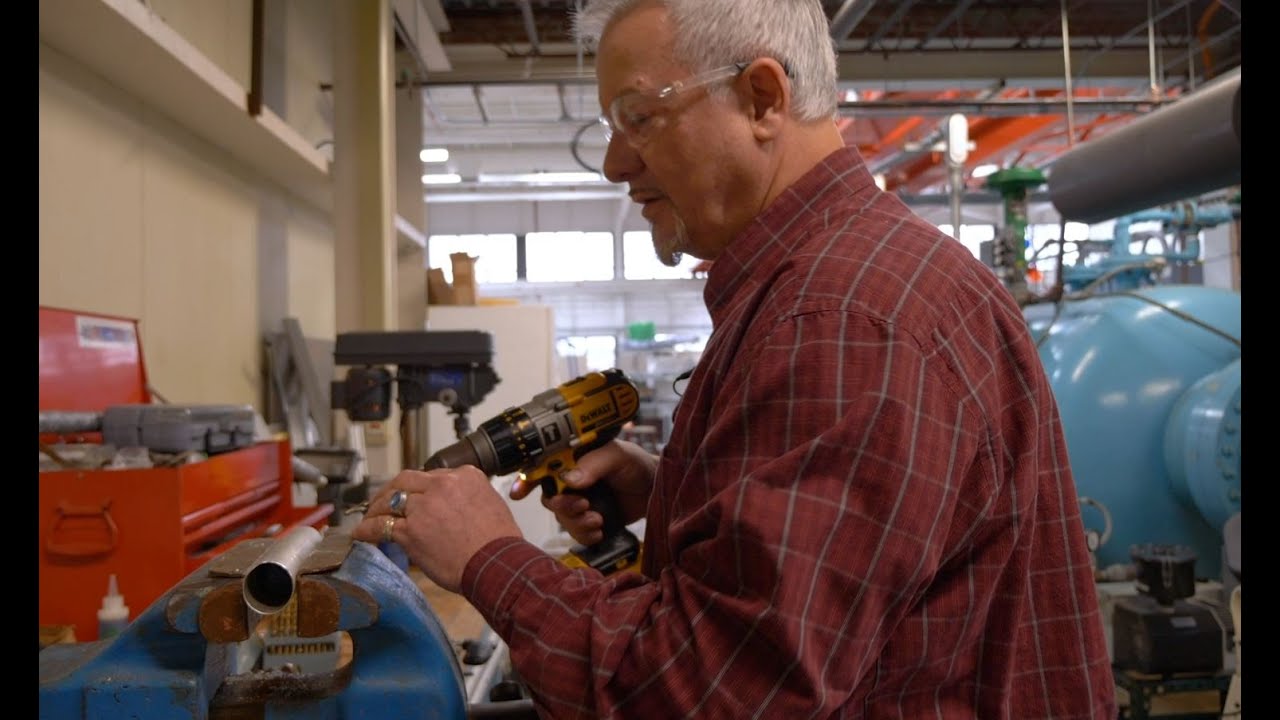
[182,657]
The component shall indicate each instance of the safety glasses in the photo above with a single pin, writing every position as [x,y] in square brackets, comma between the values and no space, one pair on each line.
[638,116]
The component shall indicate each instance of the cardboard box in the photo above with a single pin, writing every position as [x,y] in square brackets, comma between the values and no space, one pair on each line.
[464,278]
[438,290]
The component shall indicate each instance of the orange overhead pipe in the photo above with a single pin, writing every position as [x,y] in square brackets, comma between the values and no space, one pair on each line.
[895,135]
[1052,152]
[1041,143]
[1202,34]
[897,178]
[989,135]
[900,131]
[1004,132]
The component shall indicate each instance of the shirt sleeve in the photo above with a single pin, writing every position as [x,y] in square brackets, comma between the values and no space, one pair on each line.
[820,505]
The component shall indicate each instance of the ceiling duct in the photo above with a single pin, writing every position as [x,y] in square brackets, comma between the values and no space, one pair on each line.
[1187,149]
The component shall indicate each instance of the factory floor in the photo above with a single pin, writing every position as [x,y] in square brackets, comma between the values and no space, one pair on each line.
[460,620]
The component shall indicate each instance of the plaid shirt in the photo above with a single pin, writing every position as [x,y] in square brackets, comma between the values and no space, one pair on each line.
[865,508]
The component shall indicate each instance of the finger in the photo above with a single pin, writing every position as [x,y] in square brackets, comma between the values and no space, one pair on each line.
[586,535]
[577,479]
[566,504]
[520,489]
[410,481]
[585,523]
[374,529]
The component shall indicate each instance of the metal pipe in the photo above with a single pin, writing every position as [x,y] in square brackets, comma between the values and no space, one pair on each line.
[1112,43]
[304,471]
[1151,49]
[946,22]
[957,192]
[1181,151]
[848,17]
[894,19]
[1066,60]
[411,432]
[270,582]
[530,27]
[68,422]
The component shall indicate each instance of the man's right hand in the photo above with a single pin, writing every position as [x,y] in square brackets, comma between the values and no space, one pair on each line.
[626,467]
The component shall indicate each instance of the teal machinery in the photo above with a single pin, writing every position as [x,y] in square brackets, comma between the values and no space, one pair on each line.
[1147,375]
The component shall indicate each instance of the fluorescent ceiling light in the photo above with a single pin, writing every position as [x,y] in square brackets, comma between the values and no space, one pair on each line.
[434,155]
[984,170]
[538,178]
[443,179]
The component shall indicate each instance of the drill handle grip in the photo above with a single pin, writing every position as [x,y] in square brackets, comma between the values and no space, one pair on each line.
[605,502]
[601,497]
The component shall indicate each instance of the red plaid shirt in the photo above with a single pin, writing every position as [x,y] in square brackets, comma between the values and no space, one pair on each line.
[864,511]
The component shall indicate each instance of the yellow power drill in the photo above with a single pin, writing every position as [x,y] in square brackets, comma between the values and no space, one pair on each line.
[543,439]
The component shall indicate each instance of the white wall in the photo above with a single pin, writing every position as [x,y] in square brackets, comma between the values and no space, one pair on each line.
[1221,252]
[141,218]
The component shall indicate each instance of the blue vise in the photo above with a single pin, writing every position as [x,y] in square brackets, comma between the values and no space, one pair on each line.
[179,658]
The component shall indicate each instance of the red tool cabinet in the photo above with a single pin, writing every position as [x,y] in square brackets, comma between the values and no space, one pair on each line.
[150,527]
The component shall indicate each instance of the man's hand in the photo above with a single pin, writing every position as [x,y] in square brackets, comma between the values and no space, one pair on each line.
[625,466]
[449,515]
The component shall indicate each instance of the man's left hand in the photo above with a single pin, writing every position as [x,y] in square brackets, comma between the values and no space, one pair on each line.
[447,516]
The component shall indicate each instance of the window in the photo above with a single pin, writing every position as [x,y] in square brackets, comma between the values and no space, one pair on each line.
[585,354]
[639,262]
[495,255]
[972,236]
[1044,244]
[568,256]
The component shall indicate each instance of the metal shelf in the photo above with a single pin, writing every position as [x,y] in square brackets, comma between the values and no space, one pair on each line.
[132,48]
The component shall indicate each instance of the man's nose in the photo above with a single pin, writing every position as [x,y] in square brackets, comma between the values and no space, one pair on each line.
[621,161]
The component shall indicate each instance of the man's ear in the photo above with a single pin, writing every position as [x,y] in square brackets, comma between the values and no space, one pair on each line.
[770,97]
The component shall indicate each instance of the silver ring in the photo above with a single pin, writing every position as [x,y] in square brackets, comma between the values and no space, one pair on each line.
[399,499]
[388,524]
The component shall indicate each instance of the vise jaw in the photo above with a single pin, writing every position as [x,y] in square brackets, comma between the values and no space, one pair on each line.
[178,658]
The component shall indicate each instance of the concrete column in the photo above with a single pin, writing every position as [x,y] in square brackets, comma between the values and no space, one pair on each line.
[411,206]
[411,209]
[364,195]
[364,165]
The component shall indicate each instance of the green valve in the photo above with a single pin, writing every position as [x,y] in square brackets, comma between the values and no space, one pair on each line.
[1013,184]
[1010,249]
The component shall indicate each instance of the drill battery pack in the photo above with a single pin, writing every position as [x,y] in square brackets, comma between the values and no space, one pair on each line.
[209,429]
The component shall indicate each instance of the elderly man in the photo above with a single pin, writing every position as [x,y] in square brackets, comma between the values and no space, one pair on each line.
[865,509]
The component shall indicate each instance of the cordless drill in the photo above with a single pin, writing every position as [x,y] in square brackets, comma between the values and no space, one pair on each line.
[543,439]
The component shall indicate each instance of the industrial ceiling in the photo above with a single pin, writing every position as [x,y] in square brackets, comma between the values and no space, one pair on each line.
[507,89]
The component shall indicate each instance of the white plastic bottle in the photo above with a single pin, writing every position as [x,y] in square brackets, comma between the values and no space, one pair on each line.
[113,616]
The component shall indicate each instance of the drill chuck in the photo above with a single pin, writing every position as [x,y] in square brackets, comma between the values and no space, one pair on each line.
[502,445]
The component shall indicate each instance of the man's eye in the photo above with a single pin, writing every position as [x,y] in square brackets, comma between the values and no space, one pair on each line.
[638,120]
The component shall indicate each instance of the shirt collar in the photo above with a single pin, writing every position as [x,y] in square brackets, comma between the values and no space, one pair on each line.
[762,245]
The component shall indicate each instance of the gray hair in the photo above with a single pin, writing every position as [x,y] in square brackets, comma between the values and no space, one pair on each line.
[711,33]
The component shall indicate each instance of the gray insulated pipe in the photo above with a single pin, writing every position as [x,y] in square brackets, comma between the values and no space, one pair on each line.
[1179,151]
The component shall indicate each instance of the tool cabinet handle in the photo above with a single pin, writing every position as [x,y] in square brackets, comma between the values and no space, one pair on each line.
[82,548]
